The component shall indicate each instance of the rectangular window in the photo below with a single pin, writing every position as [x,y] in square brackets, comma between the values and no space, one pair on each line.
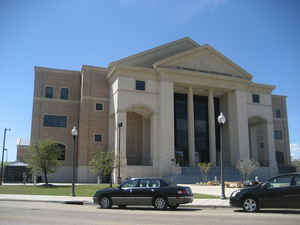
[255,98]
[64,94]
[278,134]
[140,85]
[278,113]
[49,92]
[61,151]
[98,138]
[55,121]
[99,107]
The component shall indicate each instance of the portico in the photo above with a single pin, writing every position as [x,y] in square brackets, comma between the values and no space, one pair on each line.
[183,96]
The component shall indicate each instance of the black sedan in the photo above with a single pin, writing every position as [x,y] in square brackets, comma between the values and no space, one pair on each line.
[144,191]
[279,192]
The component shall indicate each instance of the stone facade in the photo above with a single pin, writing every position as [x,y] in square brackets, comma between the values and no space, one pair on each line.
[148,136]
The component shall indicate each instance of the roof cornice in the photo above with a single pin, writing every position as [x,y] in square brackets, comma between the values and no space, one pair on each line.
[130,69]
[95,68]
[154,49]
[47,69]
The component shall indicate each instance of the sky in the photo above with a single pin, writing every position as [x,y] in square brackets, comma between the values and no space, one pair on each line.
[261,36]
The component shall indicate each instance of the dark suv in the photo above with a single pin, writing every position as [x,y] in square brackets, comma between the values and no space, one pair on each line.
[278,192]
[144,191]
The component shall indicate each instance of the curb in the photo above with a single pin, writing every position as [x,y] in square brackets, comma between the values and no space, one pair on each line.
[90,203]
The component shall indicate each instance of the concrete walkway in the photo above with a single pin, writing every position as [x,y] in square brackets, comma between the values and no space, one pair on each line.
[209,190]
[216,203]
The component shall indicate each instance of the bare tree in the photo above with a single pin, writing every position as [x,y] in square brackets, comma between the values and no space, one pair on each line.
[247,167]
[204,169]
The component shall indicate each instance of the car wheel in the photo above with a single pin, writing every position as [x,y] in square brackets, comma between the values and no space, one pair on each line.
[250,205]
[122,206]
[173,207]
[160,203]
[105,203]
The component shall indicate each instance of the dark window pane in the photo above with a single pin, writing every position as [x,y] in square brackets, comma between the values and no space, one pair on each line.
[140,85]
[98,138]
[255,98]
[62,151]
[49,92]
[55,121]
[279,157]
[277,134]
[278,113]
[99,106]
[64,93]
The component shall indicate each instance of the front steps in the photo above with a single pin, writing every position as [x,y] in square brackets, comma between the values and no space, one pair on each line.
[192,175]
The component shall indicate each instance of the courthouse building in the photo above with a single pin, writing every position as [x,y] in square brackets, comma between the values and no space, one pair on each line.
[167,99]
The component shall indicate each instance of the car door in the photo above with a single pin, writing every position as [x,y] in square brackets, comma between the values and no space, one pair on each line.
[143,193]
[277,194]
[125,194]
[294,195]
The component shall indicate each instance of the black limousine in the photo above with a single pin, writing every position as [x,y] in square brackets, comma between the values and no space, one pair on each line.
[144,191]
[278,192]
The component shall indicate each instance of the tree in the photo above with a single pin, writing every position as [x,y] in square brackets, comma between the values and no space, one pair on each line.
[102,163]
[247,167]
[296,163]
[42,157]
[204,169]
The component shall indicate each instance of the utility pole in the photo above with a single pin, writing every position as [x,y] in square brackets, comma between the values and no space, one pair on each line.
[3,149]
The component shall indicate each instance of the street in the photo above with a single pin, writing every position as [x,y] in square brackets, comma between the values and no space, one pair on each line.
[15,212]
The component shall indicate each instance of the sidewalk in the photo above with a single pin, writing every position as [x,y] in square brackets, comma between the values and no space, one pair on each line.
[209,190]
[214,203]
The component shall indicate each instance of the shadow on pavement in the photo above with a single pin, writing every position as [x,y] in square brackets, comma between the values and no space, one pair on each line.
[152,209]
[276,211]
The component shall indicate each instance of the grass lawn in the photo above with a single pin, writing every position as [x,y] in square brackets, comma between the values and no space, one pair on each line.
[81,190]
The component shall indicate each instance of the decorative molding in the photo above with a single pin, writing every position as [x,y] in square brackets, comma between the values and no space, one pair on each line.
[94,98]
[195,50]
[55,100]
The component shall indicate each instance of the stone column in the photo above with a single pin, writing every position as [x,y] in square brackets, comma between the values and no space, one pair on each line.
[191,128]
[271,148]
[238,126]
[212,128]
[166,127]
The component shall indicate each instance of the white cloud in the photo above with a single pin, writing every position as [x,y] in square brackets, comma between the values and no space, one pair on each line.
[295,150]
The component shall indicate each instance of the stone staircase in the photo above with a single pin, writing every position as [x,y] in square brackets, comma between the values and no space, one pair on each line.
[192,175]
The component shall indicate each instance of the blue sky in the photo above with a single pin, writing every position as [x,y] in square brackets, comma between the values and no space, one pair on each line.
[260,36]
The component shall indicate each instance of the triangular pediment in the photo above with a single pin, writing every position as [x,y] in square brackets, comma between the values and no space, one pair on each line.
[149,57]
[204,59]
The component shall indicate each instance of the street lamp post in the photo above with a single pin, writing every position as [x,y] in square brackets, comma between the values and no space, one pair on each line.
[2,162]
[74,134]
[120,124]
[221,121]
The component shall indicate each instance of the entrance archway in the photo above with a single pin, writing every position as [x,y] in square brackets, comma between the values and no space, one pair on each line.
[138,139]
[258,140]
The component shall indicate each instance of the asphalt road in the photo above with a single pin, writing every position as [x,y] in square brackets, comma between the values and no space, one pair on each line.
[32,213]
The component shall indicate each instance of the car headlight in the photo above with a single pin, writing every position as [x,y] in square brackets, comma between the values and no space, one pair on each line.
[233,194]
